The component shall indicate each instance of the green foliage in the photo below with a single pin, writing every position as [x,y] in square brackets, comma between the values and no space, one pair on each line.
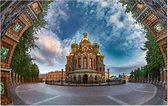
[154,59]
[128,4]
[21,61]
[34,71]
[41,22]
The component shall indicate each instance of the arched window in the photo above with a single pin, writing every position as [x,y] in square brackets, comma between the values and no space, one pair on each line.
[95,78]
[74,78]
[90,63]
[85,61]
[100,69]
[79,62]
[69,68]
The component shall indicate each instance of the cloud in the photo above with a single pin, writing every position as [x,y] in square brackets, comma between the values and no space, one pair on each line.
[51,48]
[56,13]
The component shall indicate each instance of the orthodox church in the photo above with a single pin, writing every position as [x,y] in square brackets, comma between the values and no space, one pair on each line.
[85,63]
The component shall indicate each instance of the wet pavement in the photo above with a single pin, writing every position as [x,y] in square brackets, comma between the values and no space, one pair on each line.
[125,94]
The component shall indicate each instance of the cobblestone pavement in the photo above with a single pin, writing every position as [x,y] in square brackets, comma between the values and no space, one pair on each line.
[125,94]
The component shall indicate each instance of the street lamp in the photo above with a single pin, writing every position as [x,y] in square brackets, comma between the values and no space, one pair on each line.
[108,76]
[62,77]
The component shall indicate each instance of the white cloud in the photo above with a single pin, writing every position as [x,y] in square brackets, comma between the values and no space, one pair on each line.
[52,49]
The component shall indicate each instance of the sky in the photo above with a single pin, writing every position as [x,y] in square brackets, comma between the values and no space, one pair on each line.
[119,36]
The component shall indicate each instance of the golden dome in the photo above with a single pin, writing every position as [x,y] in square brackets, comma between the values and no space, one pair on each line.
[85,37]
[98,54]
[95,44]
[74,45]
[71,54]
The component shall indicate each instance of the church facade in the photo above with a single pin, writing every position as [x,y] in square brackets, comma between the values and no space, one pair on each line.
[85,63]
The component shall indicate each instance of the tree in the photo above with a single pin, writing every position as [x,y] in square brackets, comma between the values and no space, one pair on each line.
[154,57]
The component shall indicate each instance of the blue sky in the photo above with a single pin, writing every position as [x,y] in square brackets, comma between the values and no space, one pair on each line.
[119,37]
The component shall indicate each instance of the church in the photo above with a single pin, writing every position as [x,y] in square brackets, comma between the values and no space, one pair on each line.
[85,63]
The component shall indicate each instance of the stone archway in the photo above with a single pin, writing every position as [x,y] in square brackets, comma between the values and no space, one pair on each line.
[10,39]
[95,78]
[11,32]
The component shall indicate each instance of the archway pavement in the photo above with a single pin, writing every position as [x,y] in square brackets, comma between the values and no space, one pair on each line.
[125,94]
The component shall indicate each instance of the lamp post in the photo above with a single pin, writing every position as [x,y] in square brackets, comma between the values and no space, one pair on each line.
[62,77]
[108,76]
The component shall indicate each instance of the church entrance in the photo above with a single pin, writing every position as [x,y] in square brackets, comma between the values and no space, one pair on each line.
[85,78]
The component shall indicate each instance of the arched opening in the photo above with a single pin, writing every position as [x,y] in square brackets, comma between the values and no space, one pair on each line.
[95,78]
[79,62]
[74,78]
[17,28]
[85,79]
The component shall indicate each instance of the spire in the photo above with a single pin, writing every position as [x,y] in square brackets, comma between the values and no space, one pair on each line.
[95,40]
[95,44]
[85,35]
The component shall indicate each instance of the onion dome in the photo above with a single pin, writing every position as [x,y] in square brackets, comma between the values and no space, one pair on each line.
[98,54]
[95,44]
[85,37]
[74,45]
[71,54]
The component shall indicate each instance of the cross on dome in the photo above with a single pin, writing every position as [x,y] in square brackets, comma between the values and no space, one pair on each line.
[85,35]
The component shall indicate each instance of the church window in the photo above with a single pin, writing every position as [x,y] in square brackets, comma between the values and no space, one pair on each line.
[79,61]
[100,69]
[17,27]
[158,27]
[90,63]
[85,61]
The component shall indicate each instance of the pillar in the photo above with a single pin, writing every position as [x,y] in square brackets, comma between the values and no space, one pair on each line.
[161,76]
[82,61]
[88,61]
[92,62]
[77,62]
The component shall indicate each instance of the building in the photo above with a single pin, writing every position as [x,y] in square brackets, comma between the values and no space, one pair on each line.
[42,77]
[85,63]
[125,77]
[55,76]
[107,76]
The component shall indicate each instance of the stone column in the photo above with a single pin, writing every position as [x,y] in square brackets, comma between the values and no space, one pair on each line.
[77,62]
[95,63]
[161,76]
[87,61]
[92,62]
[19,79]
[82,61]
